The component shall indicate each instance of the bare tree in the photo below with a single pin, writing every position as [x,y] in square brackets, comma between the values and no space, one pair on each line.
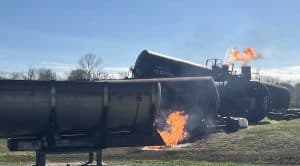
[100,74]
[16,76]
[77,74]
[124,74]
[3,75]
[31,74]
[46,74]
[90,64]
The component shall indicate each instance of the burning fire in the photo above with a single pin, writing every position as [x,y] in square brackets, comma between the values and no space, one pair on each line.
[176,132]
[247,55]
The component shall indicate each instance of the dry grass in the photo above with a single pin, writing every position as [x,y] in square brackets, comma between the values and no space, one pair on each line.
[270,142]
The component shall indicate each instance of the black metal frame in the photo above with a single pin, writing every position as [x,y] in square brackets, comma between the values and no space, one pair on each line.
[49,141]
[64,144]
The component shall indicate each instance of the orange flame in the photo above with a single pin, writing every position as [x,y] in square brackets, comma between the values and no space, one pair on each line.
[177,133]
[248,54]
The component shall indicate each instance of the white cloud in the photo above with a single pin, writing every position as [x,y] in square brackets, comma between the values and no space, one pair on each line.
[288,73]
[57,66]
[62,69]
[116,69]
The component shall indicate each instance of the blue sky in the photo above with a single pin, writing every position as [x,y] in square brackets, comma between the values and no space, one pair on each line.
[56,33]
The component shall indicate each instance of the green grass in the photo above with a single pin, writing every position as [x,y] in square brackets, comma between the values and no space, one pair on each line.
[270,142]
[173,163]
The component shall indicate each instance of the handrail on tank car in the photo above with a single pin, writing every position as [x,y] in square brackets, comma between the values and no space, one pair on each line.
[215,62]
[257,75]
[220,64]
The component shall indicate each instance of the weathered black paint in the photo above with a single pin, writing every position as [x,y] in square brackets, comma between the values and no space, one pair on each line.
[239,95]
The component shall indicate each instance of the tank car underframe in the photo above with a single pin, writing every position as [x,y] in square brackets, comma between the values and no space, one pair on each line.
[55,143]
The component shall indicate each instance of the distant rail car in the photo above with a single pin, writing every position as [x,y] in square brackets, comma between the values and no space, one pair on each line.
[239,95]
[280,96]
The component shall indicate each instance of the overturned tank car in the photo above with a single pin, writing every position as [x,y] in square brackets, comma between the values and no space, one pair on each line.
[240,96]
[66,116]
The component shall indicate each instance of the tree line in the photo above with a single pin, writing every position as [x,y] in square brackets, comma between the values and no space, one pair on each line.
[88,69]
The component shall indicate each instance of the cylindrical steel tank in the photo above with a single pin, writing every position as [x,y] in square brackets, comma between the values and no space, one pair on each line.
[198,99]
[25,106]
[246,72]
[239,95]
[153,65]
[243,98]
[280,96]
[127,108]
[234,97]
[260,101]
